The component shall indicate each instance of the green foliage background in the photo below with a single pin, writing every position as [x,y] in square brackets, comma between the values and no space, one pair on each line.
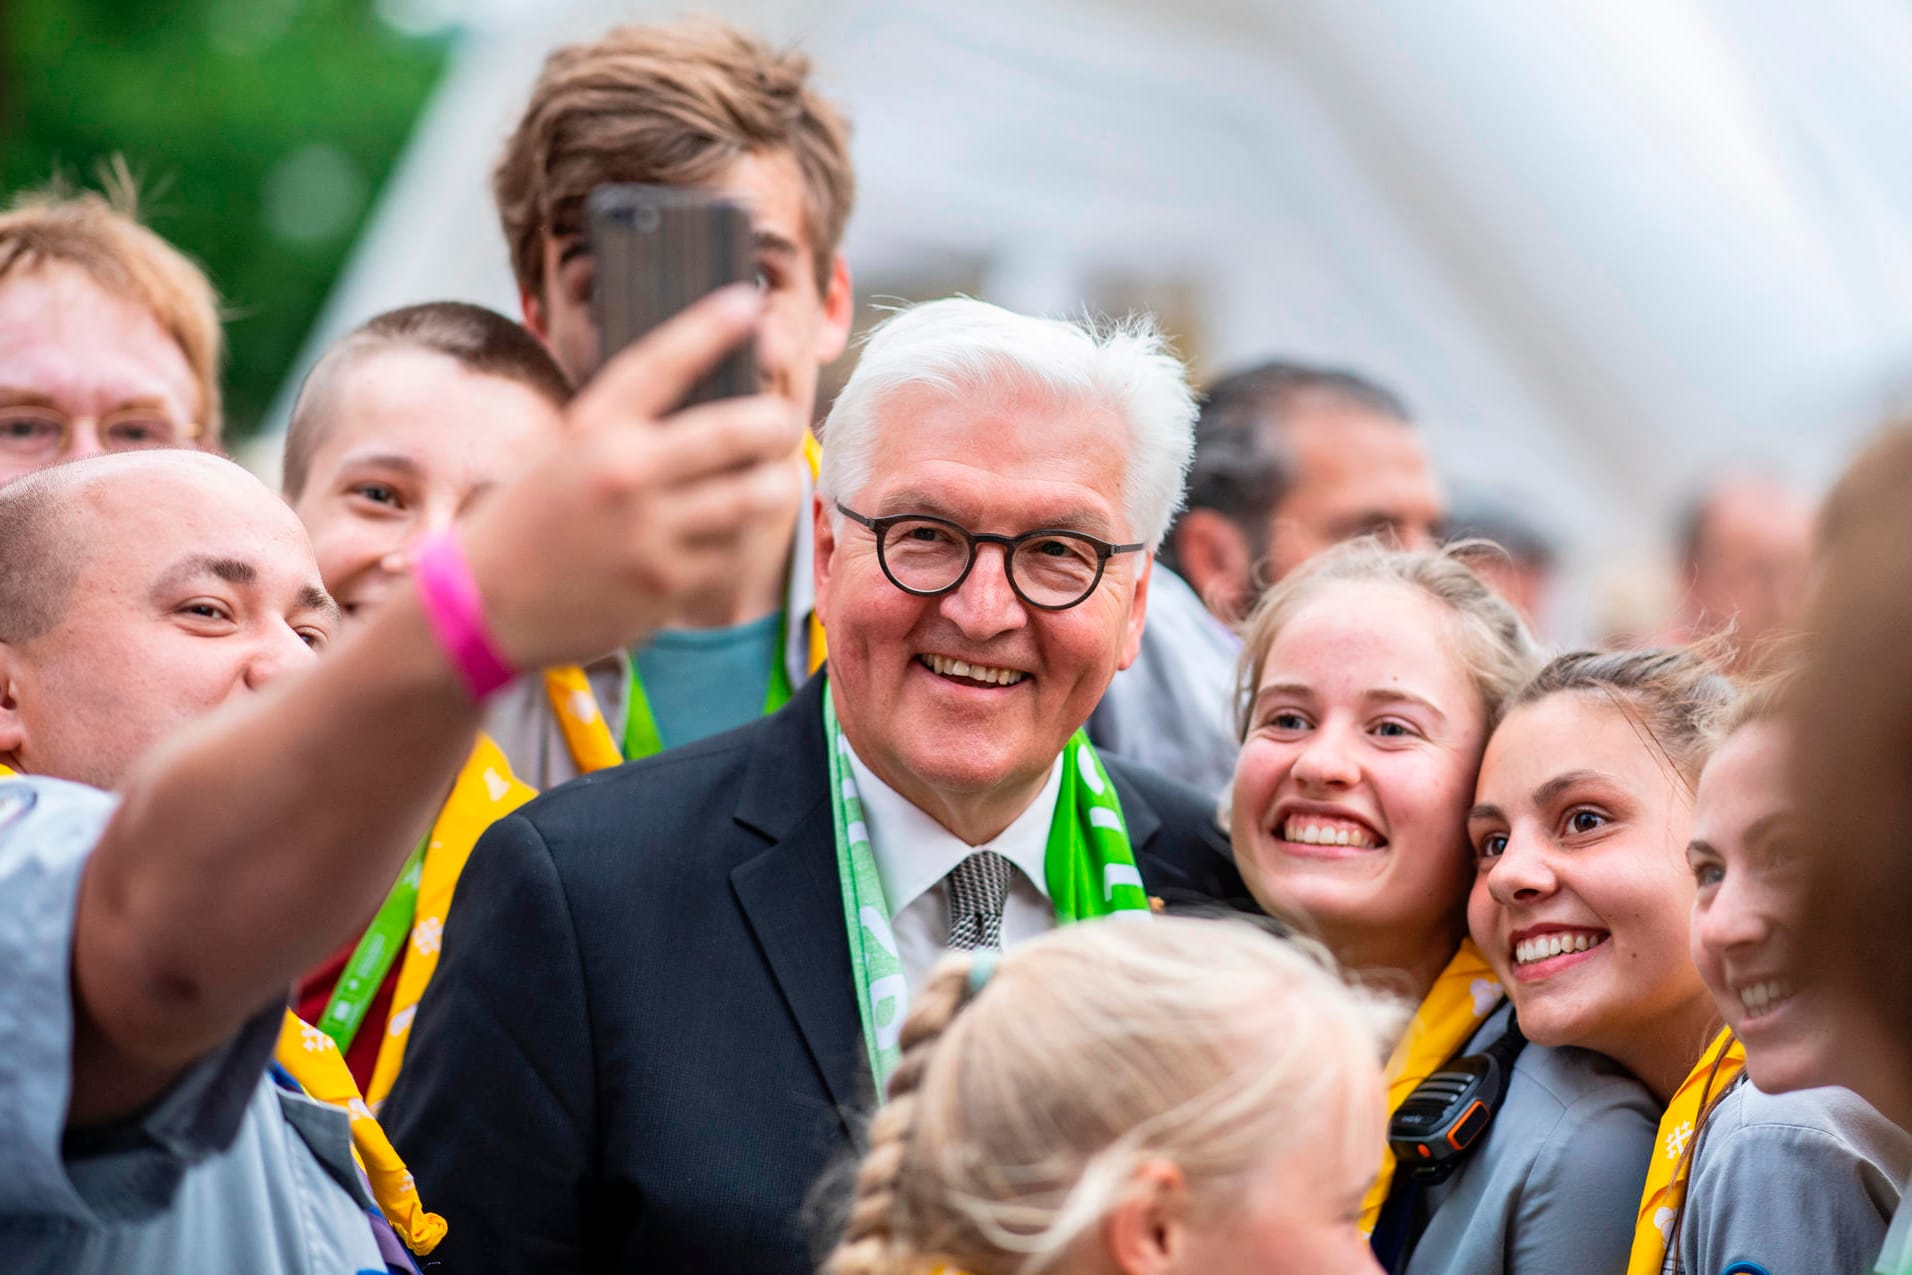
[207,99]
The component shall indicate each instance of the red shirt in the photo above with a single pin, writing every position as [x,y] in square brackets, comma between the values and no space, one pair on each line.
[315,992]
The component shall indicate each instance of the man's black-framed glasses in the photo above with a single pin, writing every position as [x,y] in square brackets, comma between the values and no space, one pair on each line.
[1050,568]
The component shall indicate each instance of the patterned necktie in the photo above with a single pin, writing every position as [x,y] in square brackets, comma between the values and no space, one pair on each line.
[977,887]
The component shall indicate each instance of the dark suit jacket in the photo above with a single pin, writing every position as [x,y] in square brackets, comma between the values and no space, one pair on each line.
[642,1045]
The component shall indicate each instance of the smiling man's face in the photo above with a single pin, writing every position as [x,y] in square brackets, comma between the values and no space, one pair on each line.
[1005,463]
[196,586]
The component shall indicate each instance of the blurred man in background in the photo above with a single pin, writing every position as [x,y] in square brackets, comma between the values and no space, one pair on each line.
[1524,570]
[1289,460]
[700,105]
[109,337]
[1745,544]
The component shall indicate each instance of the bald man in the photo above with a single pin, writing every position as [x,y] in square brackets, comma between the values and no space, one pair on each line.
[149,940]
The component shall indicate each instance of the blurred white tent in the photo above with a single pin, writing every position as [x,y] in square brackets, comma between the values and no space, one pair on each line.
[1603,249]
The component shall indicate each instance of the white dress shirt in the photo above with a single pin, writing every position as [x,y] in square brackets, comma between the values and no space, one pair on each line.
[914,854]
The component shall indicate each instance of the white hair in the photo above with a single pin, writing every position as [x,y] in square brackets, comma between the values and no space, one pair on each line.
[960,346]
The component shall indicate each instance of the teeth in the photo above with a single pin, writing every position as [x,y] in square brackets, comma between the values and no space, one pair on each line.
[1760,997]
[1559,942]
[978,672]
[1321,832]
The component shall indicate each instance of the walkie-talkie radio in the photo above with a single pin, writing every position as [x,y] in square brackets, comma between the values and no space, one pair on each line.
[1439,1123]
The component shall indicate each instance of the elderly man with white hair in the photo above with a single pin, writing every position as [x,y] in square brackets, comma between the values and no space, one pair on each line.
[666,988]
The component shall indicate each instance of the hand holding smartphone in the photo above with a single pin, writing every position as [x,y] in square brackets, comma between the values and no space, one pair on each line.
[656,249]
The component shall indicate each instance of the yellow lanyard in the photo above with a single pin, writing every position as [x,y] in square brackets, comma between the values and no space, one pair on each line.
[486,791]
[1462,997]
[1672,1160]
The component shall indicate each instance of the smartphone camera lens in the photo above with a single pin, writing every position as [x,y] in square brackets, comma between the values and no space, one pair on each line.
[647,219]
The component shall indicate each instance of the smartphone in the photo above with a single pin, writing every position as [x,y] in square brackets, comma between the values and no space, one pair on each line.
[657,249]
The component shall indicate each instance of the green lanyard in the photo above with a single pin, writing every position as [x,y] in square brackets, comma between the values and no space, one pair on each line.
[372,959]
[1087,864]
[641,736]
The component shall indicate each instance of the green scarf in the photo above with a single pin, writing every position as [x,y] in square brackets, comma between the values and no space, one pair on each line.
[1089,867]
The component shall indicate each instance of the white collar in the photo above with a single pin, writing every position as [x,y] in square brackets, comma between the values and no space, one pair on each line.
[913,852]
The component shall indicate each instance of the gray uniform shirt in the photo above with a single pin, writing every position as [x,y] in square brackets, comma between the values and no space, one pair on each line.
[226,1172]
[1554,1185]
[1174,708]
[1798,1183]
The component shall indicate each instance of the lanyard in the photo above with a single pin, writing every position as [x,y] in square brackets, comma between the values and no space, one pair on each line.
[1087,864]
[642,738]
[372,959]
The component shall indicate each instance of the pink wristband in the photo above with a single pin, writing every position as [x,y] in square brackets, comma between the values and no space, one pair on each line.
[456,613]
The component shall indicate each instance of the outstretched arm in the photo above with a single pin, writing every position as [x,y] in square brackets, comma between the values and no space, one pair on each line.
[252,843]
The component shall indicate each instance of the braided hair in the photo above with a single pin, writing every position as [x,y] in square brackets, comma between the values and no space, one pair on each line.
[1018,1113]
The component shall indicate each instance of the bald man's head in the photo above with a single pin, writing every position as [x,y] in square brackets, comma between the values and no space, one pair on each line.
[138,591]
[39,557]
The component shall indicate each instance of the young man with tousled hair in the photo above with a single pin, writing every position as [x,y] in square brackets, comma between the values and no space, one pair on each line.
[699,105]
[149,937]
[109,337]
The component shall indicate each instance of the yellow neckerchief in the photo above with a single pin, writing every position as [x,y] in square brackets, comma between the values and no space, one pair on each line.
[586,733]
[486,791]
[1463,995]
[1672,1162]
[312,1058]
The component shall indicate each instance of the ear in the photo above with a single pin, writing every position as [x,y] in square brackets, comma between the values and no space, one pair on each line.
[534,316]
[823,542]
[1145,1233]
[839,308]
[1138,615]
[1216,561]
[13,727]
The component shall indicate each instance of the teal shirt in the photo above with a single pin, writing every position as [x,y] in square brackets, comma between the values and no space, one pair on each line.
[703,681]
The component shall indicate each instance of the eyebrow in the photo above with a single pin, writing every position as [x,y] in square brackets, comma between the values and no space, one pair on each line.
[1699,846]
[1547,793]
[771,241]
[1486,811]
[382,460]
[313,598]
[183,572]
[18,396]
[914,500]
[237,571]
[1376,696]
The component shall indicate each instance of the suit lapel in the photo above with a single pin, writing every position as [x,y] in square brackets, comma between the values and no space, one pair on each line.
[790,896]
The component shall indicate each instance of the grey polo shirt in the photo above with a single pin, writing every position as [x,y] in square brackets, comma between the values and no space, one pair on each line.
[1554,1185]
[225,1172]
[1800,1183]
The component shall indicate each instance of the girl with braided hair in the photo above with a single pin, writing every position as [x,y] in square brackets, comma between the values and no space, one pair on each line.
[1168,1095]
